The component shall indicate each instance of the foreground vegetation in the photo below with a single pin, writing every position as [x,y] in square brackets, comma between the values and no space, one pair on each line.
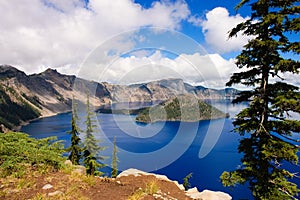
[19,152]
[27,165]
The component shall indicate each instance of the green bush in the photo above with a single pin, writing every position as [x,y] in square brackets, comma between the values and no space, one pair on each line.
[18,152]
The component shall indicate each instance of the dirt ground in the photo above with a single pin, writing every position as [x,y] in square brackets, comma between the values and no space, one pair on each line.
[75,186]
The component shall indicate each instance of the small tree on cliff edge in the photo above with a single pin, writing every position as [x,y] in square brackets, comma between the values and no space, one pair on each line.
[115,160]
[266,121]
[76,148]
[91,145]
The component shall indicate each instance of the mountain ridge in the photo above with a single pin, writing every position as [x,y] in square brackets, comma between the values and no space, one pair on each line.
[50,92]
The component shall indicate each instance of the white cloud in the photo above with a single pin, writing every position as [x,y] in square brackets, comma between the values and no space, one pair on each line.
[208,70]
[36,34]
[195,20]
[216,27]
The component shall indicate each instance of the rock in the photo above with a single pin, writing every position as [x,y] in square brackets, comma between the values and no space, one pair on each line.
[193,193]
[180,186]
[47,186]
[207,195]
[3,129]
[68,162]
[51,194]
[131,171]
[13,191]
[78,169]
[118,182]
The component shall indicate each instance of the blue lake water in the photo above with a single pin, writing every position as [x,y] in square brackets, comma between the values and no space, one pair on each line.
[205,148]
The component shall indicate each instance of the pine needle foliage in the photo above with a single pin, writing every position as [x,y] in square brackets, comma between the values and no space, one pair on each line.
[18,152]
[267,123]
[186,181]
[75,149]
[91,144]
[91,164]
[115,160]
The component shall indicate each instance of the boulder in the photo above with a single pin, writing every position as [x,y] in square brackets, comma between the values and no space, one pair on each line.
[68,162]
[47,186]
[78,169]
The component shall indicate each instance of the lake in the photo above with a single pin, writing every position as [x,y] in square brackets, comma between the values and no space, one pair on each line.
[205,148]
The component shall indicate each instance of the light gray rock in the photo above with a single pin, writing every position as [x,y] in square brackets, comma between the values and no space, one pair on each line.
[207,195]
[47,186]
[68,162]
[51,194]
[78,169]
[118,182]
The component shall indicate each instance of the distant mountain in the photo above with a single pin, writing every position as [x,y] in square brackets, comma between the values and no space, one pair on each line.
[25,97]
[186,108]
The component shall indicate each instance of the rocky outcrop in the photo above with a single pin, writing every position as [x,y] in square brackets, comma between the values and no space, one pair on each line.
[192,193]
[25,97]
[207,195]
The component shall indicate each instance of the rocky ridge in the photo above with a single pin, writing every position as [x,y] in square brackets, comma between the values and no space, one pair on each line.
[49,93]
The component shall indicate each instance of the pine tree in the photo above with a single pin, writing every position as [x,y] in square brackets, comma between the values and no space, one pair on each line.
[266,122]
[91,144]
[76,148]
[91,164]
[115,160]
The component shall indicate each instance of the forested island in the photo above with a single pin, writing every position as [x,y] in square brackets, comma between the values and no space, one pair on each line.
[181,108]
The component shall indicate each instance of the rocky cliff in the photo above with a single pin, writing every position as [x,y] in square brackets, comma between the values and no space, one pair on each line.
[25,97]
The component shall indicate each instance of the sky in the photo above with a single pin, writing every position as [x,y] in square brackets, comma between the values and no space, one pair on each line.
[124,41]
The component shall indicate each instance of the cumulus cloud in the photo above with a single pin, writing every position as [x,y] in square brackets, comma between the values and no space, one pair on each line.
[209,70]
[215,28]
[36,34]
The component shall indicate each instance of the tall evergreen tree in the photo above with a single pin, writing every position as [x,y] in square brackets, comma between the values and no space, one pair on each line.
[115,160]
[266,122]
[76,148]
[91,144]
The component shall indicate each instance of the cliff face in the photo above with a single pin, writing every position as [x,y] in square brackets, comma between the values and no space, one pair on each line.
[24,97]
[163,90]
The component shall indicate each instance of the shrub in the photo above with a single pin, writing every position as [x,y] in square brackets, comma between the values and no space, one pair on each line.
[18,152]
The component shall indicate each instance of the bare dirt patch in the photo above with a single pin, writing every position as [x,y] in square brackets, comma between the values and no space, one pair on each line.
[75,186]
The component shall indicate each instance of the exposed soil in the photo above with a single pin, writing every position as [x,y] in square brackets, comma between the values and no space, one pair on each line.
[75,186]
